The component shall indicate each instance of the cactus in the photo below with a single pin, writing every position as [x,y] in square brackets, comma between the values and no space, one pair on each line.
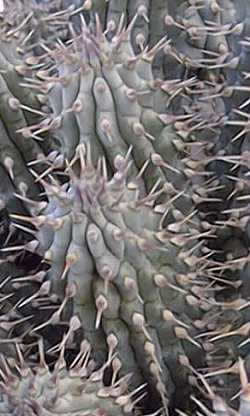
[212,42]
[138,271]
[106,95]
[103,69]
[77,391]
[29,310]
[20,107]
[220,407]
[138,245]
[142,233]
[147,31]
[36,24]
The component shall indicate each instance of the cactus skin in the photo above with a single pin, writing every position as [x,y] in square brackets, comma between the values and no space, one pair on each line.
[134,251]
[103,77]
[219,406]
[98,76]
[106,95]
[225,77]
[20,107]
[157,356]
[212,42]
[29,309]
[77,391]
[134,269]
[38,23]
[148,29]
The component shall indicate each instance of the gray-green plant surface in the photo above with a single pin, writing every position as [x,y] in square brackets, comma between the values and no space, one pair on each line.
[125,171]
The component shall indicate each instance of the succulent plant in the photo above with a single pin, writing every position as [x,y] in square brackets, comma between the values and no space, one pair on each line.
[143,222]
[148,28]
[28,308]
[138,269]
[219,406]
[104,94]
[35,24]
[132,247]
[20,107]
[78,390]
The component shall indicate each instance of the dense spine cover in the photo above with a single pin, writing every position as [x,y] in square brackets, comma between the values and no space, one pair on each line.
[128,153]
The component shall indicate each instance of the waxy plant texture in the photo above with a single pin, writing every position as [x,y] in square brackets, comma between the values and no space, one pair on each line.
[124,160]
